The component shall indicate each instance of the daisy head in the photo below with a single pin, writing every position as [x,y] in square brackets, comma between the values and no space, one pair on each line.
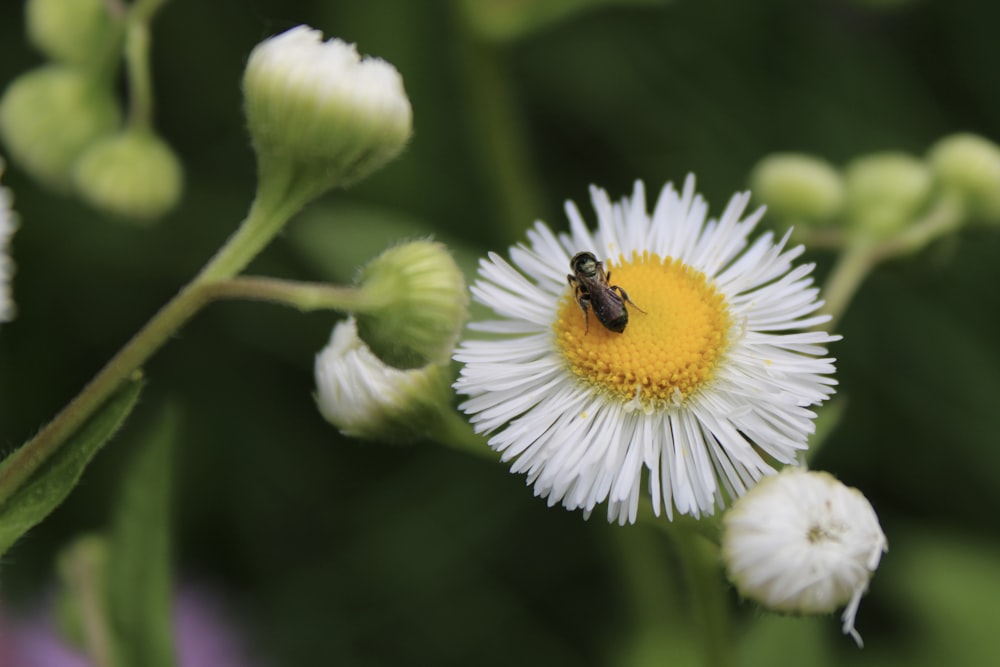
[675,356]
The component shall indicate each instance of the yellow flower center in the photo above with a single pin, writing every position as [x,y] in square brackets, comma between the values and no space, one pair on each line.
[665,353]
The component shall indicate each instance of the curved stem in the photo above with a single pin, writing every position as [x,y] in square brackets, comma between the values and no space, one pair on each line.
[851,269]
[140,85]
[453,430]
[261,224]
[862,253]
[301,295]
[137,64]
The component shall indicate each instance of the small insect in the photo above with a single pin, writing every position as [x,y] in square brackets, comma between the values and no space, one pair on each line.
[592,290]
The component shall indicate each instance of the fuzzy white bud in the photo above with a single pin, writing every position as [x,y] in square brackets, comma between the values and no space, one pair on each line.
[366,398]
[320,110]
[803,542]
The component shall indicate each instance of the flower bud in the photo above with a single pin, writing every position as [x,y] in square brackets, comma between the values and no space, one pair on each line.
[970,165]
[798,188]
[52,114]
[418,304]
[802,542]
[132,175]
[75,32]
[8,224]
[886,191]
[365,398]
[318,112]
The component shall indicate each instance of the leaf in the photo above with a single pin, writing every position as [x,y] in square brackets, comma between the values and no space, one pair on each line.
[50,485]
[139,581]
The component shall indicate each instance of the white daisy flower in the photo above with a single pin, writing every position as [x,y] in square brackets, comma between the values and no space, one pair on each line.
[803,542]
[705,389]
[8,223]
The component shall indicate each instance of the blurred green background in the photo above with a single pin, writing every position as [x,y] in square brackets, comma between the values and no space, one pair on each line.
[337,552]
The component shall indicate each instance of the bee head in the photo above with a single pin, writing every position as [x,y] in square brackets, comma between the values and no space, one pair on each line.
[584,263]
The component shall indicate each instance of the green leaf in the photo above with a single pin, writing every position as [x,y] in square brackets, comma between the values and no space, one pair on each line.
[50,485]
[139,581]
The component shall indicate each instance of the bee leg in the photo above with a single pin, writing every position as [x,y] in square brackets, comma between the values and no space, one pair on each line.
[584,302]
[624,295]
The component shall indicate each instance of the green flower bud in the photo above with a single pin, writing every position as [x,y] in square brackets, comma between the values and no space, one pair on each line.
[49,116]
[318,114]
[132,175]
[419,303]
[75,32]
[798,188]
[970,166]
[365,398]
[886,191]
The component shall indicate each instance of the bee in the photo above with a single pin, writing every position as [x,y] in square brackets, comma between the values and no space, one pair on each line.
[592,290]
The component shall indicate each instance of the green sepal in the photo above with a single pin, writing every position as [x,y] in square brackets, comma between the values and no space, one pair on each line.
[50,485]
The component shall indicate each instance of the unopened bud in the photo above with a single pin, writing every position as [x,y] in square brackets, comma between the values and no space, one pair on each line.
[970,166]
[366,398]
[132,175]
[886,192]
[802,542]
[49,116]
[798,188]
[75,32]
[418,305]
[319,114]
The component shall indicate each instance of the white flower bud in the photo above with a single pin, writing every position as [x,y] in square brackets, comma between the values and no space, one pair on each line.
[803,542]
[365,398]
[318,109]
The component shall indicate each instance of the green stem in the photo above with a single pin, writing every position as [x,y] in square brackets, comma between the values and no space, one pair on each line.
[700,561]
[696,543]
[454,430]
[137,64]
[261,224]
[301,295]
[862,253]
[946,216]
[140,85]
[499,137]
[852,267]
